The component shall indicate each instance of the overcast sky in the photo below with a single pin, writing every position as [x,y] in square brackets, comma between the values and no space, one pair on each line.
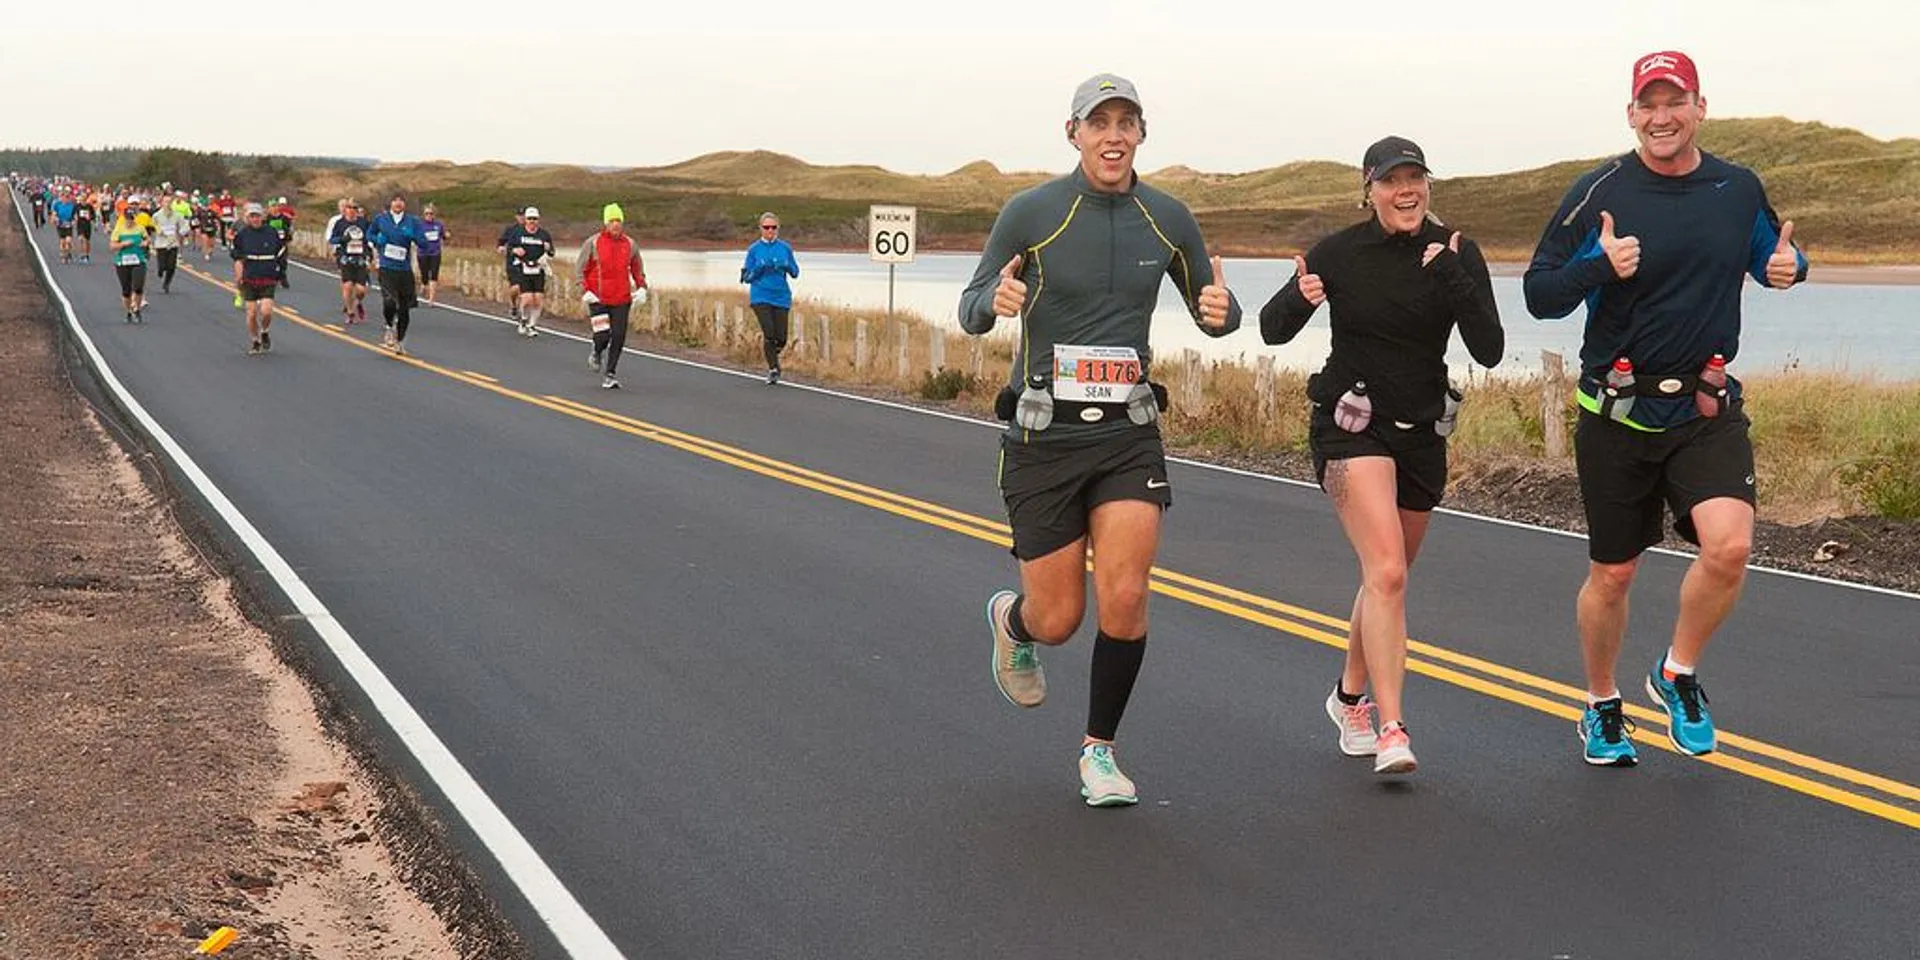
[1483,85]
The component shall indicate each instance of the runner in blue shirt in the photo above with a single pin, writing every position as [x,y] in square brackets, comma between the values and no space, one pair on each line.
[394,235]
[63,214]
[1657,244]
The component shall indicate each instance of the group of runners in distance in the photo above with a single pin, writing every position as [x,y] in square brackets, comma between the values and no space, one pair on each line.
[1656,244]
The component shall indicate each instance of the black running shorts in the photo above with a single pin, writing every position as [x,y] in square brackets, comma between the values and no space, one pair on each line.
[252,289]
[531,282]
[1629,478]
[1052,488]
[65,230]
[353,273]
[429,268]
[1419,455]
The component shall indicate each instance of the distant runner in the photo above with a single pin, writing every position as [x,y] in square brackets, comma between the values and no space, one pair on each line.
[614,279]
[433,237]
[128,243]
[513,276]
[769,263]
[66,212]
[529,248]
[353,252]
[257,253]
[394,235]
[170,229]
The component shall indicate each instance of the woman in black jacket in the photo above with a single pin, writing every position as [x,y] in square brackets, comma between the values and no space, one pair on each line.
[1399,283]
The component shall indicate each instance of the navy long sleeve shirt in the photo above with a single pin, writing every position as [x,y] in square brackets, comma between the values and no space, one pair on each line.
[1698,233]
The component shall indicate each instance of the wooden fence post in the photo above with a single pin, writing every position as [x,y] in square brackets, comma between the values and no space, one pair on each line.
[936,349]
[1553,403]
[903,337]
[1191,389]
[977,356]
[797,334]
[826,339]
[719,324]
[860,351]
[1263,385]
[653,313]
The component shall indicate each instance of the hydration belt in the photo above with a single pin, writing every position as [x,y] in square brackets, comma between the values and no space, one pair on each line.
[1668,385]
[1006,406]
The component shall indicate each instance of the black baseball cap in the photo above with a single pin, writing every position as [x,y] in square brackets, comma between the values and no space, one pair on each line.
[1390,152]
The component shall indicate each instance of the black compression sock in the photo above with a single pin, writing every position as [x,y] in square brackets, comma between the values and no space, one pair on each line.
[1350,699]
[1116,664]
[1016,626]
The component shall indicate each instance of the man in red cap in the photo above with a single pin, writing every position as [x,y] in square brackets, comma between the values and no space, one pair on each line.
[1657,243]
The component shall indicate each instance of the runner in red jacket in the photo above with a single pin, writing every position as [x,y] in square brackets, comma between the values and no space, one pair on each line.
[615,279]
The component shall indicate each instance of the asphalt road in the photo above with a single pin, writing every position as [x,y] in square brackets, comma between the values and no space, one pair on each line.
[744,711]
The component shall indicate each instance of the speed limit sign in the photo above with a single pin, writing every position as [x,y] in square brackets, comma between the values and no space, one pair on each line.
[890,234]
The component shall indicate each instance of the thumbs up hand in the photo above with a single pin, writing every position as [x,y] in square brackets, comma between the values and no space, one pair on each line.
[1310,285]
[1622,252]
[1214,300]
[1433,249]
[1784,266]
[1010,297]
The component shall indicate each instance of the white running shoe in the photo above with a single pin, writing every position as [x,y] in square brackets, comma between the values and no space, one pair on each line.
[609,382]
[1357,736]
[1101,782]
[1395,752]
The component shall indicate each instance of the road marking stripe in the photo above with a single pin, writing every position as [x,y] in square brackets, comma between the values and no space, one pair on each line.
[917,508]
[563,915]
[1184,587]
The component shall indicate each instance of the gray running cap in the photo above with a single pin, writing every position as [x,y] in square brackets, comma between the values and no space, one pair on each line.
[253,208]
[1100,88]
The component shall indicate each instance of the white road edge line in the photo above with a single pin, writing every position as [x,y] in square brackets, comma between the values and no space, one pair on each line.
[577,932]
[1183,461]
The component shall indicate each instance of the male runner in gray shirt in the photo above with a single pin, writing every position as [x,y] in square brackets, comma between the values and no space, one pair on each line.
[1081,259]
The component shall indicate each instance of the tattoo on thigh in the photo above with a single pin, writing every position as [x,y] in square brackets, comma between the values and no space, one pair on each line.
[1336,483]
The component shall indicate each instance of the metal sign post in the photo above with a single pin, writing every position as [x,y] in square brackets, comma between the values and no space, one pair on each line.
[891,239]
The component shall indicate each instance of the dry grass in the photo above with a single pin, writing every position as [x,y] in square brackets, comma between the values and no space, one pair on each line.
[1826,444]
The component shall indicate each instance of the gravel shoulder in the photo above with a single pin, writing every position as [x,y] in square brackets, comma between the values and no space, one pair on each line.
[165,773]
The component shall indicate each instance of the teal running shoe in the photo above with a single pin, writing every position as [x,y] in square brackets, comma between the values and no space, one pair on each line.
[1604,728]
[1689,725]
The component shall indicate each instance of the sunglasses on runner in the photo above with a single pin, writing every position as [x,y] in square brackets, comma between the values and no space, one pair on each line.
[769,226]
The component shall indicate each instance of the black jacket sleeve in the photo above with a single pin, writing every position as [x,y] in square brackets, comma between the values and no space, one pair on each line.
[1469,292]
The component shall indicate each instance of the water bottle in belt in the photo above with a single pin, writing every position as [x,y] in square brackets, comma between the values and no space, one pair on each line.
[1034,411]
[1450,415]
[1355,409]
[1710,395]
[1617,395]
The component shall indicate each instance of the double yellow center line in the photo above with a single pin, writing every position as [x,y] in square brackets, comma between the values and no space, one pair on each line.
[1739,754]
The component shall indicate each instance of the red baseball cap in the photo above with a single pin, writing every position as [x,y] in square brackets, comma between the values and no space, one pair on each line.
[1670,65]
